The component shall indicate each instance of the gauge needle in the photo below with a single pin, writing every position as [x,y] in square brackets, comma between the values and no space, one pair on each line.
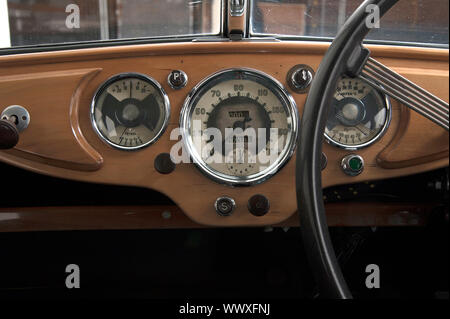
[359,129]
[111,103]
[340,116]
[121,136]
[131,88]
[241,124]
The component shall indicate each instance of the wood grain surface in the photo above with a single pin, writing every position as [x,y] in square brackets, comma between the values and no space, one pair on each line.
[57,89]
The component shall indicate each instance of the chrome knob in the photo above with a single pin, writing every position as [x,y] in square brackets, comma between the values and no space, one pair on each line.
[300,78]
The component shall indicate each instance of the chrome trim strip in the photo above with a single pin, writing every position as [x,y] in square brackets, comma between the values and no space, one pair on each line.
[407,92]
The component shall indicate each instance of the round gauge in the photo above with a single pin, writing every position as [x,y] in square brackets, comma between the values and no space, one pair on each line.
[239,126]
[130,111]
[358,116]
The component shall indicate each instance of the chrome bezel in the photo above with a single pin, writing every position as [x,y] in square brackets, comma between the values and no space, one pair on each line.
[253,179]
[345,163]
[388,106]
[21,113]
[142,77]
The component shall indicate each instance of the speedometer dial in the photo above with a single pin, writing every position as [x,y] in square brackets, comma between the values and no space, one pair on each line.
[358,116]
[239,126]
[130,111]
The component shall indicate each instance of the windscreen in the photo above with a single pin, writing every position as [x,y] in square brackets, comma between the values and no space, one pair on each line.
[409,21]
[41,22]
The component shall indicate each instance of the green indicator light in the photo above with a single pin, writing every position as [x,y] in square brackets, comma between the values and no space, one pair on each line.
[355,164]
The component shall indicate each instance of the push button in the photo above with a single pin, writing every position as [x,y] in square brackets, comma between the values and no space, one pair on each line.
[164,164]
[225,206]
[258,205]
[177,79]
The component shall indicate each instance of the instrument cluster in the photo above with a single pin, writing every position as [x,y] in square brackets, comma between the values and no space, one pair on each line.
[239,126]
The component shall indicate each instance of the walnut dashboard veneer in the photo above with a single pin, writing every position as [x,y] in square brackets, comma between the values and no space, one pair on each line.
[57,89]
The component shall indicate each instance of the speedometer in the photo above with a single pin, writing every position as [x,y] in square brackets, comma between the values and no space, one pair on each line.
[239,126]
[359,115]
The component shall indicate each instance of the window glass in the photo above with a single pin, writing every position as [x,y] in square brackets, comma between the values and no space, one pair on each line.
[417,21]
[33,22]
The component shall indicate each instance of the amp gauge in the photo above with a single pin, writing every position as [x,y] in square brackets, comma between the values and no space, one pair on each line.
[359,115]
[130,111]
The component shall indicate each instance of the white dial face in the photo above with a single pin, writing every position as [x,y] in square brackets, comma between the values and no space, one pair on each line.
[358,115]
[240,125]
[130,112]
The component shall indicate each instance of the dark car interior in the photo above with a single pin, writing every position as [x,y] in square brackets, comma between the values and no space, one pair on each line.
[218,150]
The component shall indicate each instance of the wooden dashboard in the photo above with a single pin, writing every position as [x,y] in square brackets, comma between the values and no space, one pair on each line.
[57,89]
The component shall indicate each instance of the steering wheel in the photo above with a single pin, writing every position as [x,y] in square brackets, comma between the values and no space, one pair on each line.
[346,56]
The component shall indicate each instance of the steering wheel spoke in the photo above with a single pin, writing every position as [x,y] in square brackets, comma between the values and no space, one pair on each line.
[406,92]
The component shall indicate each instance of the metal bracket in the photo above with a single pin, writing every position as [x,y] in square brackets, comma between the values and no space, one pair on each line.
[237,19]
[18,115]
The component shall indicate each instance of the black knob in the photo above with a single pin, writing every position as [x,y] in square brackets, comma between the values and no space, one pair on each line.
[258,205]
[9,135]
[225,206]
[164,163]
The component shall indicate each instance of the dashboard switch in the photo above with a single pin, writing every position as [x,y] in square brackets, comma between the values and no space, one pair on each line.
[177,79]
[258,205]
[300,78]
[225,206]
[352,164]
[164,163]
[13,120]
[9,135]
[18,115]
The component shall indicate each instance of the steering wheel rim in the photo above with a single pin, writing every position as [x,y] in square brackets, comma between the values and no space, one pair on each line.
[346,55]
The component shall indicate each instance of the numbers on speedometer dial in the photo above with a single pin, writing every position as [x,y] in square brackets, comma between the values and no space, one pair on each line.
[234,101]
[130,111]
[359,115]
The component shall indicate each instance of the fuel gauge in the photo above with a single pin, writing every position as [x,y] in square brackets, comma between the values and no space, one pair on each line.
[130,111]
